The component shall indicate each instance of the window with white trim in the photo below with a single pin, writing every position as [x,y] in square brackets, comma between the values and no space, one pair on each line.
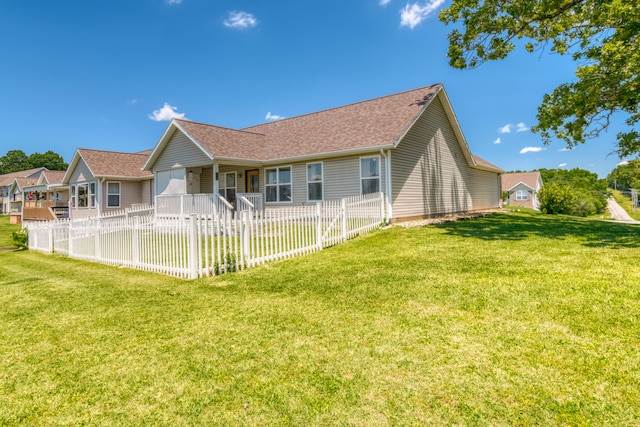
[369,175]
[277,186]
[314,181]
[84,195]
[113,194]
[522,195]
[227,186]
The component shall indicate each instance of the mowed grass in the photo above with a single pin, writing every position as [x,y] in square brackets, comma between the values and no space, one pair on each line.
[510,319]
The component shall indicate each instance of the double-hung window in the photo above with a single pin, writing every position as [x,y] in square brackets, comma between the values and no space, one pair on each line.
[369,174]
[278,184]
[113,194]
[314,181]
[522,195]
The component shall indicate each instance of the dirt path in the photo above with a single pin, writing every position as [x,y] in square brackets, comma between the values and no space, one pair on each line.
[618,213]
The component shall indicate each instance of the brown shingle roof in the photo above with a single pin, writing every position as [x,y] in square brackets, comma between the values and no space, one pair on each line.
[482,162]
[7,178]
[114,164]
[510,180]
[53,177]
[224,142]
[374,123]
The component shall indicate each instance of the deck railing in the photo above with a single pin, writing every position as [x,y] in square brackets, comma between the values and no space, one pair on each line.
[209,244]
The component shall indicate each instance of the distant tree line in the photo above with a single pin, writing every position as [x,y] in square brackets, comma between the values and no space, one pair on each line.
[17,160]
[625,176]
[575,192]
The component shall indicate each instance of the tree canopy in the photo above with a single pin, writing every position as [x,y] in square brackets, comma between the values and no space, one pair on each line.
[625,176]
[576,192]
[17,160]
[600,35]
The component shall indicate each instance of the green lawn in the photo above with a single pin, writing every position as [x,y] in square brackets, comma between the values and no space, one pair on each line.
[511,319]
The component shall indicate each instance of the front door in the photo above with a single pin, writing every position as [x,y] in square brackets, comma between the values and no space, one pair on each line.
[252,184]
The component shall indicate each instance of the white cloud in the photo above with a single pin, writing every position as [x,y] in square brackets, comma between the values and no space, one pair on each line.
[414,14]
[521,127]
[497,141]
[531,150]
[132,102]
[240,20]
[384,2]
[565,149]
[174,1]
[622,163]
[270,116]
[561,165]
[165,114]
[506,128]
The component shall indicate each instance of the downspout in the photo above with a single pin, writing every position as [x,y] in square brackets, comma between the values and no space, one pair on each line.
[99,195]
[387,183]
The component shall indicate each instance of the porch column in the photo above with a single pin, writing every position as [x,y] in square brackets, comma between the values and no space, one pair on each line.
[216,187]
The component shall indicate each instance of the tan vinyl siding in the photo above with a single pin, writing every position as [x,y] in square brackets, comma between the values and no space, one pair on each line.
[146,195]
[430,174]
[341,177]
[131,192]
[206,180]
[180,152]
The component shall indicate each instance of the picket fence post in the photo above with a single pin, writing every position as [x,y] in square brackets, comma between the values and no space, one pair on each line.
[343,209]
[135,249]
[245,231]
[319,225]
[193,247]
[98,240]
[71,239]
[50,231]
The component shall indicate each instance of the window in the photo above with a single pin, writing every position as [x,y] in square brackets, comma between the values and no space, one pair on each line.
[113,194]
[228,186]
[278,184]
[370,174]
[522,195]
[83,195]
[314,181]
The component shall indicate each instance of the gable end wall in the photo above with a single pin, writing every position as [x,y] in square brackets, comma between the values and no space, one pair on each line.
[430,174]
[180,151]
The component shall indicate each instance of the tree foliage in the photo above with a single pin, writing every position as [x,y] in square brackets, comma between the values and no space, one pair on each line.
[17,160]
[625,176]
[581,192]
[600,35]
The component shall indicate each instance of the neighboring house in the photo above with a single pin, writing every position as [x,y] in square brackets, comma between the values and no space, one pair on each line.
[16,196]
[6,181]
[408,146]
[105,181]
[523,188]
[47,199]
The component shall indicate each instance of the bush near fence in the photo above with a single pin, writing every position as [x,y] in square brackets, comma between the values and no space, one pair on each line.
[196,245]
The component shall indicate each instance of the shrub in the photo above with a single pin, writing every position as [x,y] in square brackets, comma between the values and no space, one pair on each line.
[21,238]
[557,199]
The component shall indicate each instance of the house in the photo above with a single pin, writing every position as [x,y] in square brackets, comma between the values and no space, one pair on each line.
[7,180]
[105,181]
[47,199]
[523,188]
[408,146]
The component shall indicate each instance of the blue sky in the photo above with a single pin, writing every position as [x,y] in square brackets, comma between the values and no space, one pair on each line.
[109,74]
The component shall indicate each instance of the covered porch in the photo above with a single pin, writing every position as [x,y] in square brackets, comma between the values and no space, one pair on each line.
[45,203]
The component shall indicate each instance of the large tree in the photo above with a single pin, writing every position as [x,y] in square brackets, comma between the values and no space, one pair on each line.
[17,160]
[600,35]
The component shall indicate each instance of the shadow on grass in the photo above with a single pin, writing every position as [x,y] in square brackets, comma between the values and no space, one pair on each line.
[594,233]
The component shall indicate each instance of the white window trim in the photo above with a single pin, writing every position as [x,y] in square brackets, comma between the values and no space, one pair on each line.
[522,195]
[379,177]
[91,202]
[278,183]
[119,194]
[321,181]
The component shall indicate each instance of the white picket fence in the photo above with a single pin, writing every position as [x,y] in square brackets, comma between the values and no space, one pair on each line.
[195,245]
